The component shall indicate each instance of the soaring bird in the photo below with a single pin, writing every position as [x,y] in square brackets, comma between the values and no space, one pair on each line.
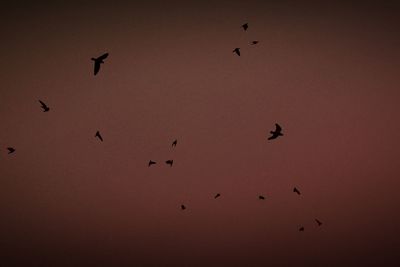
[254,42]
[99,136]
[175,142]
[261,197]
[170,162]
[98,61]
[183,207]
[245,26]
[276,133]
[10,150]
[151,162]
[296,191]
[237,51]
[318,222]
[44,106]
[217,195]
[301,229]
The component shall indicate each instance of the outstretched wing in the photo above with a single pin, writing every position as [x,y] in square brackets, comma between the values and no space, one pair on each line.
[96,67]
[278,128]
[43,104]
[103,56]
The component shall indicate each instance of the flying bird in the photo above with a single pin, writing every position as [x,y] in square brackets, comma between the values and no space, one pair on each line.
[99,136]
[98,61]
[217,195]
[170,162]
[245,26]
[318,222]
[237,51]
[175,142]
[254,42]
[183,207]
[10,150]
[295,190]
[261,197]
[276,133]
[44,106]
[151,162]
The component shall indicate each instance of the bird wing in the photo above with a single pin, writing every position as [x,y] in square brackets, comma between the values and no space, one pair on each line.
[43,104]
[278,128]
[103,56]
[96,67]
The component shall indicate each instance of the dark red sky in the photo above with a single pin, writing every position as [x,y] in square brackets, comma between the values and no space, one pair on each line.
[328,73]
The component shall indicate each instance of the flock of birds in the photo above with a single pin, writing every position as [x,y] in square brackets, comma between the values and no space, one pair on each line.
[274,134]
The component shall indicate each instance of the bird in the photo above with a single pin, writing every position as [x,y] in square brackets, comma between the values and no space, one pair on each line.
[151,162]
[301,229]
[296,191]
[276,133]
[254,42]
[44,106]
[10,150]
[217,195]
[169,162]
[261,197]
[175,142]
[245,26]
[98,61]
[183,207]
[237,51]
[99,136]
[318,222]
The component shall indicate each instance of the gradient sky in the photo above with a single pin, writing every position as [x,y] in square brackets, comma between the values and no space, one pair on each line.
[327,72]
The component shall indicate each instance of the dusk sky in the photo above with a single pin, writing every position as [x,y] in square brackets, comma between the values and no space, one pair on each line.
[328,73]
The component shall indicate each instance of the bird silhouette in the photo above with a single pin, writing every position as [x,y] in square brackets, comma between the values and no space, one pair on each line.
[245,26]
[44,106]
[183,207]
[276,133]
[237,51]
[254,42]
[261,197]
[318,222]
[175,142]
[301,229]
[295,190]
[99,136]
[217,195]
[151,162]
[98,61]
[170,162]
[10,150]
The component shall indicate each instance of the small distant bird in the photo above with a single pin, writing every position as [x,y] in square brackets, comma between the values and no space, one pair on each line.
[254,42]
[301,229]
[261,197]
[99,136]
[295,190]
[318,222]
[276,133]
[175,142]
[237,51]
[10,150]
[170,162]
[217,195]
[44,106]
[98,61]
[245,26]
[151,162]
[183,207]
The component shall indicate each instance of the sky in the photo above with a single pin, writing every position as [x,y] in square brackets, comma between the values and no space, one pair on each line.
[328,73]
